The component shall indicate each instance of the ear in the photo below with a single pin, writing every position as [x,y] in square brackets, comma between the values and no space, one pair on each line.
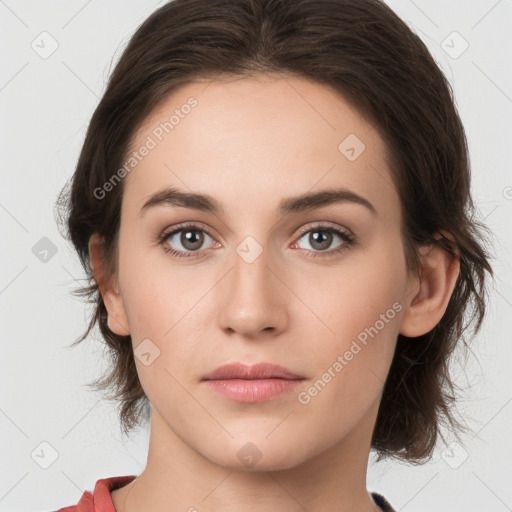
[109,288]
[428,296]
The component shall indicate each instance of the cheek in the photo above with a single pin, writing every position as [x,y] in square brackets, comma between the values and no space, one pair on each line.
[163,307]
[353,357]
[160,308]
[355,310]
[156,293]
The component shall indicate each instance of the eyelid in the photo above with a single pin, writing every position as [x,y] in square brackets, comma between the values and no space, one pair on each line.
[184,225]
[319,224]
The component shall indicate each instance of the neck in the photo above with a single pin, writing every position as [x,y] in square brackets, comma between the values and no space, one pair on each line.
[178,478]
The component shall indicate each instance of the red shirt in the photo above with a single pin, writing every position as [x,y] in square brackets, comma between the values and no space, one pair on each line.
[101,501]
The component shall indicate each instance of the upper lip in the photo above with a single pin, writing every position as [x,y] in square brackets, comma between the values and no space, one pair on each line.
[256,371]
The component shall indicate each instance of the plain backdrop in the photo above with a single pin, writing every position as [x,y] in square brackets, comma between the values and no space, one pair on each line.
[56,436]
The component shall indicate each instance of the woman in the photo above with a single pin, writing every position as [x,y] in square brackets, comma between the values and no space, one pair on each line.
[273,206]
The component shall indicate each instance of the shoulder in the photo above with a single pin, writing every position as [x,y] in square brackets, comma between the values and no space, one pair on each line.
[99,498]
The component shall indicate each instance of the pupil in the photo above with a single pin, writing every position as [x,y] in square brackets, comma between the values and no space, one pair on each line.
[321,234]
[189,236]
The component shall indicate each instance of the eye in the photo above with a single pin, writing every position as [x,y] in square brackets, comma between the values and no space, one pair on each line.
[321,237]
[191,239]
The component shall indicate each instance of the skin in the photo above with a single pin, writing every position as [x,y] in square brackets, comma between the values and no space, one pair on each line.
[250,143]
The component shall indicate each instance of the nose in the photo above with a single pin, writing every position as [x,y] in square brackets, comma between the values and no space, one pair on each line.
[253,297]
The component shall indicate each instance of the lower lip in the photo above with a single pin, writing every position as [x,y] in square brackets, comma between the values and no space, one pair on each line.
[255,390]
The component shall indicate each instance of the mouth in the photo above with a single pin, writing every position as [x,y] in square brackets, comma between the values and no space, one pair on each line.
[257,383]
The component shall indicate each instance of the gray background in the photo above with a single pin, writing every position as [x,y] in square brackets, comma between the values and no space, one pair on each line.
[45,106]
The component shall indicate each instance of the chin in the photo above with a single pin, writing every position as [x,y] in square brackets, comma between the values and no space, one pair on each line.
[261,454]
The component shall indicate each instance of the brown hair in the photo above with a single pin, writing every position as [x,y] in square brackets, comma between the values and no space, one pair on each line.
[363,50]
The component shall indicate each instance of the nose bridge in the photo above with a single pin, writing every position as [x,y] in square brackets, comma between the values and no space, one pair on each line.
[254,295]
[251,276]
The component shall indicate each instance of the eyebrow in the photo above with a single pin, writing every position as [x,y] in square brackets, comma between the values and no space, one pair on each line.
[172,196]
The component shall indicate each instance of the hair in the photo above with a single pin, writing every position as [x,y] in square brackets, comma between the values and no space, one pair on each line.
[366,53]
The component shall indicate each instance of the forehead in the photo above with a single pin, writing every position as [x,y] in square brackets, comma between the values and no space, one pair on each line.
[258,139]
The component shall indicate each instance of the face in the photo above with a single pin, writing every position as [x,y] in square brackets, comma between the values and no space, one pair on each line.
[313,286]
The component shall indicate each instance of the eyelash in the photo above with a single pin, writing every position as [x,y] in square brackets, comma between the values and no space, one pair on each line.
[348,239]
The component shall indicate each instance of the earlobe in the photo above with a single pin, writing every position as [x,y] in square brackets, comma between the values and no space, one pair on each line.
[117,320]
[427,297]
